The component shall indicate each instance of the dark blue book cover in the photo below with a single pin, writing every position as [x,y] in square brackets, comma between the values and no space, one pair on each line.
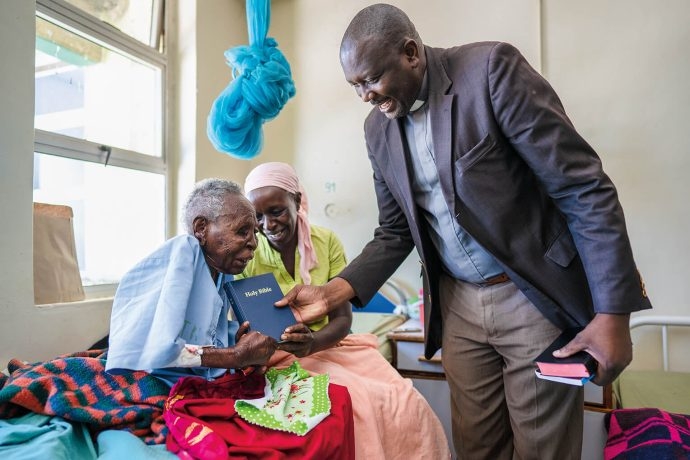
[252,300]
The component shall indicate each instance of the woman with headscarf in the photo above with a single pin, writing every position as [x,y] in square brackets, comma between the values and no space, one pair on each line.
[295,251]
[392,419]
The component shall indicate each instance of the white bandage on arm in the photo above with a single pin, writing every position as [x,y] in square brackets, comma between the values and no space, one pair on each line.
[190,356]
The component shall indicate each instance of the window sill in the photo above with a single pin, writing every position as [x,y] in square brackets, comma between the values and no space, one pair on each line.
[98,291]
[101,302]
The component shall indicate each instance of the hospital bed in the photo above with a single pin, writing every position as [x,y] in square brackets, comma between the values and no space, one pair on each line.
[663,388]
[651,415]
[66,404]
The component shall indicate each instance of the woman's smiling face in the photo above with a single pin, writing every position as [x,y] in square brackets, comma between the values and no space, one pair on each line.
[276,212]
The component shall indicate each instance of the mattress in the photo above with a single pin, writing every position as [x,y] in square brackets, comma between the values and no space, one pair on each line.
[664,390]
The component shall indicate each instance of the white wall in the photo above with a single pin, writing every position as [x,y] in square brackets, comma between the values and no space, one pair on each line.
[619,66]
[201,32]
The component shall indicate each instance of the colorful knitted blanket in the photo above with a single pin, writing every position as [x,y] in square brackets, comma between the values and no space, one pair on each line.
[647,433]
[77,388]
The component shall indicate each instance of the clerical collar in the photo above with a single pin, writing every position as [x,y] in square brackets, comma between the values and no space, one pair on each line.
[417,105]
[423,95]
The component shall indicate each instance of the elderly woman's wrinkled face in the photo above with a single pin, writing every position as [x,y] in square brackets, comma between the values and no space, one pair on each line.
[229,240]
[276,211]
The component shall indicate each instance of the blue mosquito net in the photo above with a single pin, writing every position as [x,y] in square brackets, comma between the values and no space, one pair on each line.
[261,85]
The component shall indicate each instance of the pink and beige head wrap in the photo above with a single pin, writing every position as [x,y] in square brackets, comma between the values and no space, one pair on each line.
[282,175]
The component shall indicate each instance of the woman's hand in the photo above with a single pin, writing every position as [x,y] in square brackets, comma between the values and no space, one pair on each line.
[243,329]
[297,339]
[253,348]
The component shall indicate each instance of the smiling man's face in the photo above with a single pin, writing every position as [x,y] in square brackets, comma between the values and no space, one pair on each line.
[388,77]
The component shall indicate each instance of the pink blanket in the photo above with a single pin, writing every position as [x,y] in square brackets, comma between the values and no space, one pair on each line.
[647,433]
[392,419]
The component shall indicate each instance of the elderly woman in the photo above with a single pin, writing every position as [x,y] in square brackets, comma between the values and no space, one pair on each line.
[392,419]
[170,313]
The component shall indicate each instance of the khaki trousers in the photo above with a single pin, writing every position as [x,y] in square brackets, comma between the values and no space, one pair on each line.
[500,409]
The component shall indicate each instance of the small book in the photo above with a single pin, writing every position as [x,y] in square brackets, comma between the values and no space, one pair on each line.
[579,365]
[252,300]
[579,381]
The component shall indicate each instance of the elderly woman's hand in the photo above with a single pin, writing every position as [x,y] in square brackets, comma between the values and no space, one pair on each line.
[253,349]
[297,339]
[243,329]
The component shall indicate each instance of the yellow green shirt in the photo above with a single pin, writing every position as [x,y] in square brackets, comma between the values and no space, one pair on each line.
[329,252]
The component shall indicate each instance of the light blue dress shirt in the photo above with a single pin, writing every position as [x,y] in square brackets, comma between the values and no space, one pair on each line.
[461,255]
[166,301]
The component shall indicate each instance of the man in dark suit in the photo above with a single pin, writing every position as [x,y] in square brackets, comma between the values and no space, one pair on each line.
[519,230]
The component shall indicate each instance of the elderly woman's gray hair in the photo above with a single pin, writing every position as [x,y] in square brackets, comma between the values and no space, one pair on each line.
[206,200]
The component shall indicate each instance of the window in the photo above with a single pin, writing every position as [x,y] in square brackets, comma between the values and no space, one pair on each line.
[100,82]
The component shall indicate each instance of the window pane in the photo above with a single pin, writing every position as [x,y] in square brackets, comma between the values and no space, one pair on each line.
[133,17]
[89,92]
[119,214]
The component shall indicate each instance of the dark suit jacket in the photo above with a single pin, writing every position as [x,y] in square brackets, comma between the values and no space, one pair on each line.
[522,182]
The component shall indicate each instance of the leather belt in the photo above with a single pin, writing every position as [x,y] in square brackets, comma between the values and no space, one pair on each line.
[498,279]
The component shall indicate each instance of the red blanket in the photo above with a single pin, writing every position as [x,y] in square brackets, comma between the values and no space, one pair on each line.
[204,424]
[647,434]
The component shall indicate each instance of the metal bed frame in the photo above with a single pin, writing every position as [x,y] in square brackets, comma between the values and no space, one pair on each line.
[664,322]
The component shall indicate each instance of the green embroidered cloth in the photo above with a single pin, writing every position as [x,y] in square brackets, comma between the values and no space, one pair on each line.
[294,401]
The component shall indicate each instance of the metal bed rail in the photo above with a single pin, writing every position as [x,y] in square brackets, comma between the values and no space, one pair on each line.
[664,321]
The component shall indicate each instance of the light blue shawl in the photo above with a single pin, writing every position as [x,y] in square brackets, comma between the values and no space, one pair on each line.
[166,301]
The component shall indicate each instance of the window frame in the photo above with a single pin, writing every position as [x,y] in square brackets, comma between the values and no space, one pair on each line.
[80,22]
